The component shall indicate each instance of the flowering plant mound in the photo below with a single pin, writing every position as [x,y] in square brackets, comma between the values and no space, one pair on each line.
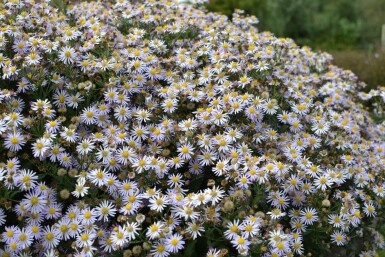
[158,129]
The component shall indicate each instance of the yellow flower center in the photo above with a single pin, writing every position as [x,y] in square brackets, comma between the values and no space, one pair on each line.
[49,236]
[14,140]
[174,241]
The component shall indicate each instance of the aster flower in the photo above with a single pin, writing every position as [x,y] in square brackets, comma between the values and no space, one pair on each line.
[14,141]
[213,253]
[159,249]
[323,182]
[104,210]
[69,135]
[270,107]
[24,238]
[88,216]
[379,190]
[194,229]
[369,209]
[33,58]
[50,237]
[250,228]
[281,247]
[132,228]
[26,180]
[175,180]
[10,234]
[320,127]
[276,213]
[233,230]
[241,243]
[89,115]
[169,105]
[298,225]
[40,147]
[85,146]
[74,100]
[67,55]
[187,212]
[20,46]
[98,177]
[338,238]
[63,227]
[154,230]
[158,202]
[215,194]
[174,243]
[35,203]
[80,189]
[119,237]
[309,216]
[85,239]
[185,151]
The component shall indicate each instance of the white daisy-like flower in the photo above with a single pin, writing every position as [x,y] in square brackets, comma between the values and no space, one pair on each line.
[35,203]
[51,237]
[159,249]
[185,151]
[174,243]
[85,146]
[14,141]
[369,209]
[276,213]
[270,106]
[69,134]
[98,177]
[169,105]
[132,228]
[80,189]
[119,236]
[194,229]
[308,216]
[26,180]
[323,182]
[321,127]
[70,34]
[338,238]
[158,202]
[25,238]
[154,230]
[85,238]
[241,243]
[67,55]
[105,210]
[40,147]
[189,124]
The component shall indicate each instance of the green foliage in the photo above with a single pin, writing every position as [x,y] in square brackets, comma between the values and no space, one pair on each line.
[382,231]
[344,27]
[322,24]
[369,67]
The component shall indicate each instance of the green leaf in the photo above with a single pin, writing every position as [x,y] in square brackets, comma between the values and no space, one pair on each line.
[190,249]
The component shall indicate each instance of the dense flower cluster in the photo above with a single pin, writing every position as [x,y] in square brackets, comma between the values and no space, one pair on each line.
[144,128]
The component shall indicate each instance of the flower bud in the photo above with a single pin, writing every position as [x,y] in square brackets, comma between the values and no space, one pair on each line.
[64,194]
[146,246]
[61,172]
[127,253]
[137,250]
[229,205]
[326,203]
